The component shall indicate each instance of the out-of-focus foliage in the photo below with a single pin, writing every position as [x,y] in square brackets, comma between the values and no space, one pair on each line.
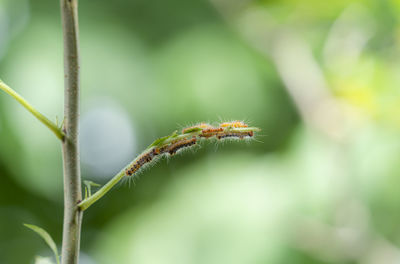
[47,238]
[297,194]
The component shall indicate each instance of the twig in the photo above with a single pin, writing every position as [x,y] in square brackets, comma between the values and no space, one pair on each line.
[72,177]
[87,202]
[53,127]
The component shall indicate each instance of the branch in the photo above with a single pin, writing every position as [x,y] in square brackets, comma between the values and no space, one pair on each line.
[169,145]
[72,176]
[53,127]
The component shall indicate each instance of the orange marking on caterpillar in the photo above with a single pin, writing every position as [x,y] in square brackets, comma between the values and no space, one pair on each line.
[235,124]
[210,132]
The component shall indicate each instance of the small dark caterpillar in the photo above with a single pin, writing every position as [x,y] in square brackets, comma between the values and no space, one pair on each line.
[240,135]
[172,149]
[166,148]
[151,154]
[143,159]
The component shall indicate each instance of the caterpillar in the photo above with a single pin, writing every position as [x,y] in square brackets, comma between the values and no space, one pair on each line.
[147,157]
[166,148]
[142,160]
[235,124]
[240,135]
[210,132]
[181,144]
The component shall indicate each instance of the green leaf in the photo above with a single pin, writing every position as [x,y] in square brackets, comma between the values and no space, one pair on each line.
[47,238]
[174,134]
[88,189]
[159,141]
[91,183]
[193,129]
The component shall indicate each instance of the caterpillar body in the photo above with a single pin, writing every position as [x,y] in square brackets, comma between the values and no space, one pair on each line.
[181,144]
[148,157]
[240,135]
[142,160]
[210,132]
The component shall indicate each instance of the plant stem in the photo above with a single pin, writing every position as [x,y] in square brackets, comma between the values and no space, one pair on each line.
[53,127]
[87,202]
[72,177]
[101,192]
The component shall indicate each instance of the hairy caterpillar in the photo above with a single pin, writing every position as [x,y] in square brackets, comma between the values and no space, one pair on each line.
[147,157]
[210,132]
[142,160]
[240,135]
[235,124]
[174,146]
[181,144]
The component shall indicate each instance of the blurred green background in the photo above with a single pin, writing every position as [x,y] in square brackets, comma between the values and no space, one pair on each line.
[320,184]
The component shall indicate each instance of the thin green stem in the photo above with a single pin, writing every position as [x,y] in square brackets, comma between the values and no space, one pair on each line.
[53,127]
[87,202]
[101,192]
